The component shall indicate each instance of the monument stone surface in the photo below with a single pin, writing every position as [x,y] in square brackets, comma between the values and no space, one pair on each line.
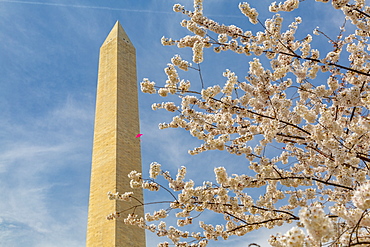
[116,151]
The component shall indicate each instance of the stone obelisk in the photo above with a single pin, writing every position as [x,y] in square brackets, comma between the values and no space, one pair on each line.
[116,151]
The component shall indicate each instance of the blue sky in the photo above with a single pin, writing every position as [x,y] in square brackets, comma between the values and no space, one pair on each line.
[48,67]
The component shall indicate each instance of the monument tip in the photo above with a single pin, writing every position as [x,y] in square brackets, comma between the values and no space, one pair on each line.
[117,32]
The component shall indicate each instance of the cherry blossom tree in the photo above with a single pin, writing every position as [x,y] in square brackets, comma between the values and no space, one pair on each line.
[319,181]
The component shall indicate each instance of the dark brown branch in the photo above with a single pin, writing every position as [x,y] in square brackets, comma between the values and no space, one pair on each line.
[200,76]
[363,158]
[231,215]
[358,10]
[321,152]
[359,243]
[255,113]
[257,223]
[291,136]
[281,121]
[143,204]
[318,61]
[174,197]
[354,108]
[314,179]
[278,211]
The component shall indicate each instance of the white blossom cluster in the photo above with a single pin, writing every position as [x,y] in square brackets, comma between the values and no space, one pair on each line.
[198,52]
[318,224]
[288,5]
[121,197]
[249,12]
[361,197]
[182,64]
[155,169]
[148,86]
[311,106]
[136,179]
[113,216]
[295,237]
[156,216]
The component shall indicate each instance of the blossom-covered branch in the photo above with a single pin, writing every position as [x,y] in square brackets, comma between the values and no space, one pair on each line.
[311,106]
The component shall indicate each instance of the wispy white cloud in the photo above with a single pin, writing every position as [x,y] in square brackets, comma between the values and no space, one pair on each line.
[32,213]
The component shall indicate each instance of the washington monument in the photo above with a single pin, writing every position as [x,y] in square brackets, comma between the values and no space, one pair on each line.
[116,151]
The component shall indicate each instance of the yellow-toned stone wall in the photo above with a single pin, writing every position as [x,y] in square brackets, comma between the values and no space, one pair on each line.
[116,151]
